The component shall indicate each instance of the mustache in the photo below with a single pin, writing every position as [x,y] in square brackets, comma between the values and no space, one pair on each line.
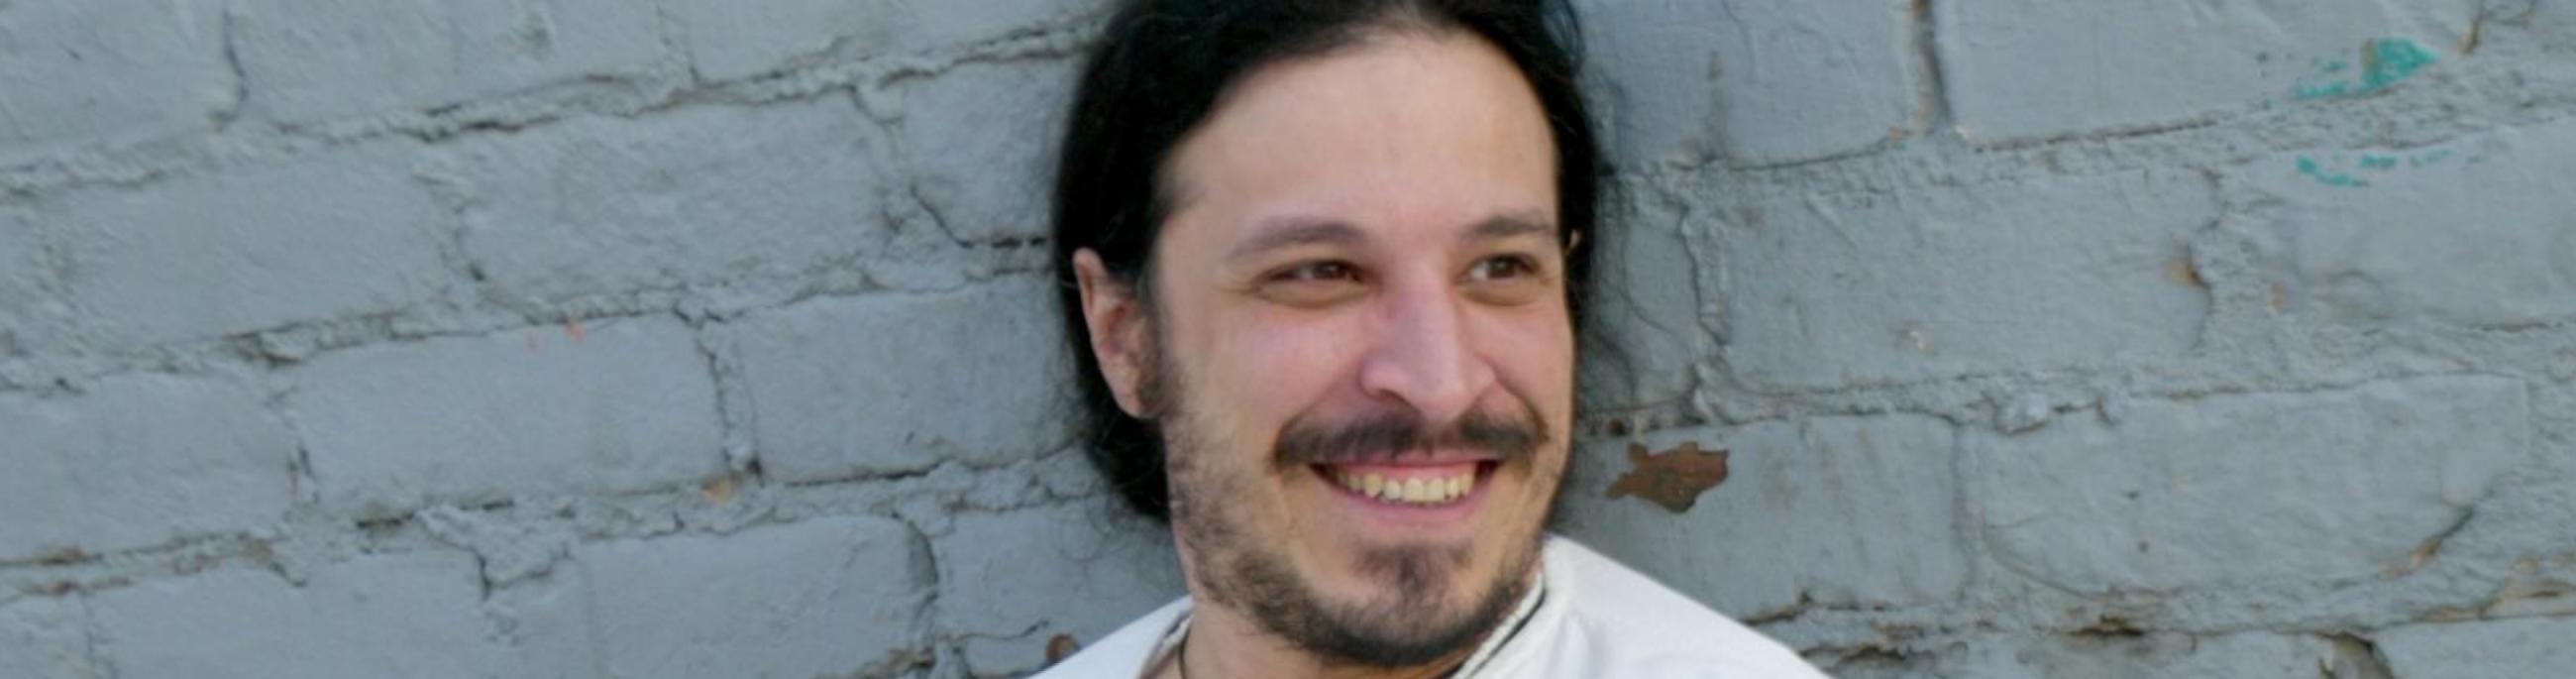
[1389,436]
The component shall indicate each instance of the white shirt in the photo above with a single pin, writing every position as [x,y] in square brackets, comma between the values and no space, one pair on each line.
[1594,618]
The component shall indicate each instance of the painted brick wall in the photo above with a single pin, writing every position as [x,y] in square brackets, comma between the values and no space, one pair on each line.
[690,338]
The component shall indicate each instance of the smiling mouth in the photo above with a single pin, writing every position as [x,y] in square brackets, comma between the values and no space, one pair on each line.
[1437,485]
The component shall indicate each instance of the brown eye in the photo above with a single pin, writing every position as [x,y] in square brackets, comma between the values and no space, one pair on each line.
[1500,268]
[1314,284]
[1509,280]
[1317,271]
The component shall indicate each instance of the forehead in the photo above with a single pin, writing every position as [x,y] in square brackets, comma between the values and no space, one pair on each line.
[1409,130]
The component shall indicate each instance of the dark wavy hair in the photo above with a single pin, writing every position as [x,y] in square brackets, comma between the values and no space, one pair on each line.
[1159,70]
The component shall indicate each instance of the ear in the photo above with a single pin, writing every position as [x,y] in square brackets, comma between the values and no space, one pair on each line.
[1115,315]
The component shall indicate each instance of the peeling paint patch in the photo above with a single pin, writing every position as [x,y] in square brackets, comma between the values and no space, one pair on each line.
[1672,479]
[2384,63]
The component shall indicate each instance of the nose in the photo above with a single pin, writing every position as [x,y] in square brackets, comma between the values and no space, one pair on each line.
[1423,355]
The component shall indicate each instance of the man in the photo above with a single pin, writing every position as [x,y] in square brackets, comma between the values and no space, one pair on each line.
[1322,264]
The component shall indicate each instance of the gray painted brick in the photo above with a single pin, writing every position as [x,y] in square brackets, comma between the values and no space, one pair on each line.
[695,196]
[950,25]
[343,232]
[44,638]
[2241,489]
[2372,236]
[2251,655]
[136,461]
[981,151]
[734,40]
[2527,648]
[1823,291]
[821,597]
[308,60]
[394,616]
[893,382]
[90,70]
[2553,27]
[1842,511]
[21,279]
[614,406]
[2539,586]
[1890,287]
[1758,82]
[2033,69]
[1014,580]
[1646,311]
[731,40]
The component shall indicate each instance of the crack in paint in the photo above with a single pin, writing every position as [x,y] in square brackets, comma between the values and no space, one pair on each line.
[2355,658]
[241,79]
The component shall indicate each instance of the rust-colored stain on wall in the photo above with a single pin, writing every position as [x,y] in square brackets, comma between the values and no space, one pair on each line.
[1061,647]
[719,491]
[1673,478]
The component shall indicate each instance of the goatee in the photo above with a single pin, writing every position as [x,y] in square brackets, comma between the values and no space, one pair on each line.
[1409,620]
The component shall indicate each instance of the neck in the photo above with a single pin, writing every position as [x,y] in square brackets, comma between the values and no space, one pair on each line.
[1224,644]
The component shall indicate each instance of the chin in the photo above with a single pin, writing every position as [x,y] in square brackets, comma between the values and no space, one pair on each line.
[1406,629]
[1400,606]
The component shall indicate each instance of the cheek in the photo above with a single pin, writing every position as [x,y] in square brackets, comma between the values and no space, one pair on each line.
[1271,369]
[1533,355]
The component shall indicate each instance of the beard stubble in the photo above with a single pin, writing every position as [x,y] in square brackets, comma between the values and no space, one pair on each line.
[1408,620]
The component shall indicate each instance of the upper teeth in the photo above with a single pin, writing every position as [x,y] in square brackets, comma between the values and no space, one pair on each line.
[1417,490]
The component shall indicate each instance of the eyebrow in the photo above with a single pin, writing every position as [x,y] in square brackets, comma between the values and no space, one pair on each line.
[1294,231]
[1505,226]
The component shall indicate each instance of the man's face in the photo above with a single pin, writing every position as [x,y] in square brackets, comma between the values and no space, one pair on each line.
[1361,346]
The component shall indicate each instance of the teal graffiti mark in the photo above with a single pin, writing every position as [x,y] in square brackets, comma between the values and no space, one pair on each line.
[2308,166]
[2384,62]
[2341,170]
